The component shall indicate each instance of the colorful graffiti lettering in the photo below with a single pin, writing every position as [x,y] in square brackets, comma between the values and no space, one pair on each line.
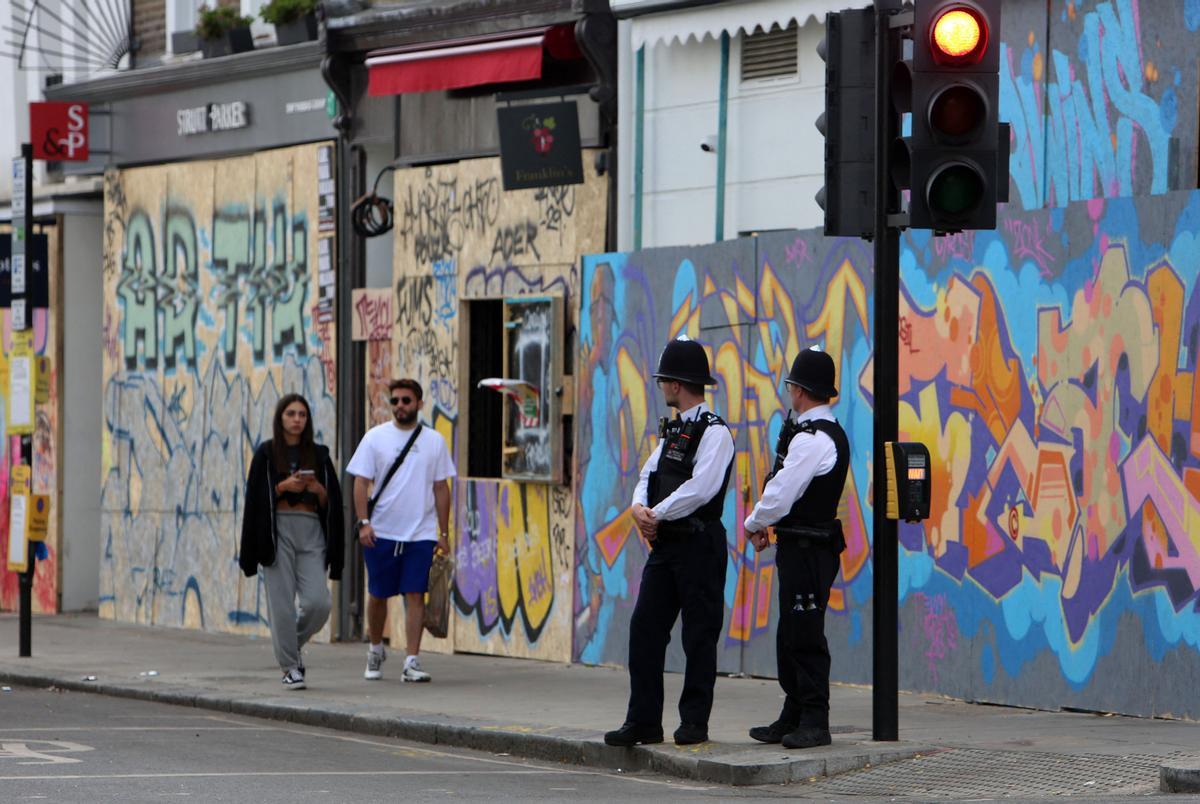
[1055,387]
[211,326]
[1091,115]
[504,556]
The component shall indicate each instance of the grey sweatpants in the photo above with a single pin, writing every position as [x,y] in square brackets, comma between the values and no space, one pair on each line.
[298,572]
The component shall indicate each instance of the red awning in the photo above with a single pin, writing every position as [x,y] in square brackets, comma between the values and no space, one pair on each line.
[495,62]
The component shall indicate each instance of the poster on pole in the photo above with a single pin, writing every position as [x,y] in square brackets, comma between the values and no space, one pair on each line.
[18,541]
[20,384]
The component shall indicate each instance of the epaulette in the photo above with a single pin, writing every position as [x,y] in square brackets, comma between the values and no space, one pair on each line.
[708,417]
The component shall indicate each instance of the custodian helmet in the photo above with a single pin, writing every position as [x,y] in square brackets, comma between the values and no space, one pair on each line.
[685,361]
[813,371]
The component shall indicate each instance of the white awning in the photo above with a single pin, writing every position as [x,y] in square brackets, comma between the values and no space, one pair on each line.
[696,23]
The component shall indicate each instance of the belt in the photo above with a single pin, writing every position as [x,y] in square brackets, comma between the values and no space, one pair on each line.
[677,529]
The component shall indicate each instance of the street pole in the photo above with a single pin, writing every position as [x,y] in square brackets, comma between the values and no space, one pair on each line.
[22,207]
[885,654]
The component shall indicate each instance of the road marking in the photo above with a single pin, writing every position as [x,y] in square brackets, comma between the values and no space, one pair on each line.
[447,755]
[57,729]
[242,774]
[46,756]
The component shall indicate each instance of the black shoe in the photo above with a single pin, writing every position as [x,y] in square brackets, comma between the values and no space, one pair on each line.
[691,734]
[772,734]
[631,734]
[807,737]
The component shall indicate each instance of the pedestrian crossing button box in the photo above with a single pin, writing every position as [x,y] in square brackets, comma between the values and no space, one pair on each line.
[908,480]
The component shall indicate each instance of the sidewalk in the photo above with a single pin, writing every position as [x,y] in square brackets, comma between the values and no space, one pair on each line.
[551,711]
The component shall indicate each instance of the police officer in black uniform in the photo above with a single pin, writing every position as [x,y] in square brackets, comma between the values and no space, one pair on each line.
[800,499]
[677,507]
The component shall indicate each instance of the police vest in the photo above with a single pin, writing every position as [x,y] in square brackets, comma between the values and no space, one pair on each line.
[679,440]
[818,504]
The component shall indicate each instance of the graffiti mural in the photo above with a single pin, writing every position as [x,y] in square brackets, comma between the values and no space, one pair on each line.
[214,309]
[1051,367]
[43,450]
[1098,94]
[460,238]
[753,304]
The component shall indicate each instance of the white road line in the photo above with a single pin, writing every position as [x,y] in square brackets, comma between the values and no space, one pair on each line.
[243,774]
[318,731]
[131,728]
[528,764]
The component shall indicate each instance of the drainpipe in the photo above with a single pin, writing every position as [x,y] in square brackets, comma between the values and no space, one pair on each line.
[639,135]
[339,75]
[722,139]
[596,34]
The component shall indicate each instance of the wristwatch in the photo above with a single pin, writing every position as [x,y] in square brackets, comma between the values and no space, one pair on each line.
[362,522]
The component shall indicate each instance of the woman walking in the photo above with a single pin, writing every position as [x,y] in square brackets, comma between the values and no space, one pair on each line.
[292,527]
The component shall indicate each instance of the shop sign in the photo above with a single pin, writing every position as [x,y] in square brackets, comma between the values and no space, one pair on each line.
[212,117]
[539,145]
[59,131]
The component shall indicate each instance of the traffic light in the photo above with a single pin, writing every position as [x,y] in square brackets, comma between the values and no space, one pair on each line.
[848,123]
[955,163]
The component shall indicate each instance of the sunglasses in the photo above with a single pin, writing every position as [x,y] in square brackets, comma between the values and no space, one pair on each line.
[397,400]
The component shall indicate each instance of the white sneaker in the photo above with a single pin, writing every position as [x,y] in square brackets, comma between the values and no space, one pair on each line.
[294,680]
[413,671]
[375,664]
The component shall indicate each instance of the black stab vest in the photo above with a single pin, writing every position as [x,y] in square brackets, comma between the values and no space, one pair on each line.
[818,504]
[679,440]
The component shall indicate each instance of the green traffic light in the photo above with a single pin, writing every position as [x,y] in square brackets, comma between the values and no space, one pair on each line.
[955,190]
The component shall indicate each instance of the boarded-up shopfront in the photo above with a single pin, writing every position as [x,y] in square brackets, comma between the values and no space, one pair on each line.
[486,287]
[218,300]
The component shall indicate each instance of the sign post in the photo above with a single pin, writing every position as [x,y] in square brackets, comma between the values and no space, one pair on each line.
[22,232]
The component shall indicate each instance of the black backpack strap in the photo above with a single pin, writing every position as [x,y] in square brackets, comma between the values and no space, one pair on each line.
[395,465]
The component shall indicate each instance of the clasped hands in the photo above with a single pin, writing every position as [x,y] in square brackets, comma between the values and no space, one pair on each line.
[759,539]
[646,521]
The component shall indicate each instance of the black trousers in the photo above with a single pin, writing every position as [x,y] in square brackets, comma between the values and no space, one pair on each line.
[806,574]
[685,575]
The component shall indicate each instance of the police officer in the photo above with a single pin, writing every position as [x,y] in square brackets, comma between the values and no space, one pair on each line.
[677,508]
[801,500]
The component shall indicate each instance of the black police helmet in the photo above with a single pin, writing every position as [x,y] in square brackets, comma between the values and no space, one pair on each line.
[684,361]
[814,372]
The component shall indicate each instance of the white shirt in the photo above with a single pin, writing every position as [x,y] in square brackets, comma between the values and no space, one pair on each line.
[713,454]
[809,455]
[405,512]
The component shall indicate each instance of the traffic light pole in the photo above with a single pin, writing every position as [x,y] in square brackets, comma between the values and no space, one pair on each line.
[885,654]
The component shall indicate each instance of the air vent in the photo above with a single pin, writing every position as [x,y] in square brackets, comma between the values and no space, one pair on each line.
[770,54]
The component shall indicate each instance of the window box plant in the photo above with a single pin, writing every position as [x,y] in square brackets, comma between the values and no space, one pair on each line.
[223,30]
[294,20]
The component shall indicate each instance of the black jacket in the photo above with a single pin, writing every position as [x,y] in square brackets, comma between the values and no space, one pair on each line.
[258,514]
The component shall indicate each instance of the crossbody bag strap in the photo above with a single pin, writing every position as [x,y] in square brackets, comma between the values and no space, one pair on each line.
[395,465]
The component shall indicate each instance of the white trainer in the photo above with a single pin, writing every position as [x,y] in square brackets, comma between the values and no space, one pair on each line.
[413,671]
[375,664]
[294,679]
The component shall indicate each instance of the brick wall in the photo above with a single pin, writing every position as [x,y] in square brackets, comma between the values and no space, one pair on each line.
[150,30]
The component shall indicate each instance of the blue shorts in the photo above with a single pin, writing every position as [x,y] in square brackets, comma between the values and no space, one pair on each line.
[394,568]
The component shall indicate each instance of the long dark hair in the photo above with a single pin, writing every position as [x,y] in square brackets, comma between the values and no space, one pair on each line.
[279,445]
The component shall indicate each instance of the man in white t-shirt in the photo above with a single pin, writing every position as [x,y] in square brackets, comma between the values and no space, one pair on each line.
[411,516]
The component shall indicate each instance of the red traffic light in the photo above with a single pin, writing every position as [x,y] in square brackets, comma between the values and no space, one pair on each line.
[959,36]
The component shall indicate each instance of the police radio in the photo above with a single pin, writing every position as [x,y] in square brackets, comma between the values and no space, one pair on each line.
[908,479]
